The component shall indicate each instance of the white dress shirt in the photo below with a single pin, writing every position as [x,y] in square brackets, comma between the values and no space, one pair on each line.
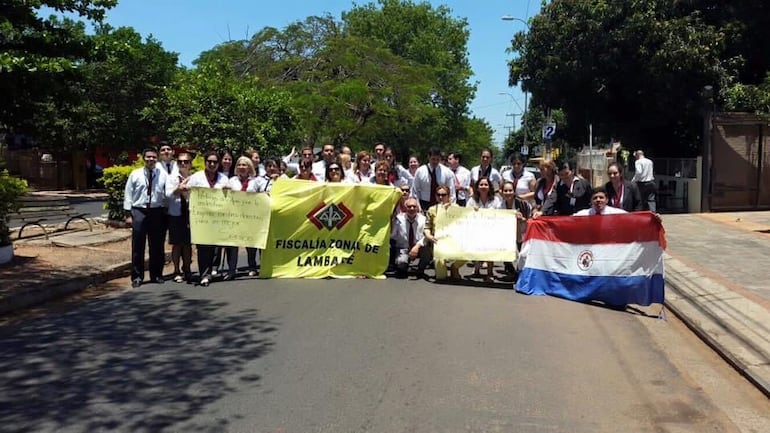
[493,202]
[237,185]
[421,183]
[521,185]
[463,176]
[400,231]
[494,177]
[173,200]
[643,170]
[199,179]
[608,210]
[139,193]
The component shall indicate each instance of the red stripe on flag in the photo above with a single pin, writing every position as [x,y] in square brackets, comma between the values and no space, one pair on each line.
[604,229]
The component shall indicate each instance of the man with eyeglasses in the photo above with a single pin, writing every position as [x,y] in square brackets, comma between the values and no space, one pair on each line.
[144,206]
[408,234]
[306,158]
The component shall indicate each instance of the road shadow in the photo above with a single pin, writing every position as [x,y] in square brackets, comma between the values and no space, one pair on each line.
[136,362]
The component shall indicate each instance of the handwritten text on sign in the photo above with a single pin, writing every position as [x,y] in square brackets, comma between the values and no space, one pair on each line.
[485,234]
[229,218]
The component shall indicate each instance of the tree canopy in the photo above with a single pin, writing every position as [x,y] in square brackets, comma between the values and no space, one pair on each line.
[636,70]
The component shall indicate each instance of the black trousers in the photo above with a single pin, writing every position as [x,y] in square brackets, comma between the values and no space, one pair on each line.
[147,227]
[251,256]
[205,259]
[648,191]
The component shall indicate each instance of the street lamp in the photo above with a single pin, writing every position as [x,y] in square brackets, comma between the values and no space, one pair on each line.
[524,115]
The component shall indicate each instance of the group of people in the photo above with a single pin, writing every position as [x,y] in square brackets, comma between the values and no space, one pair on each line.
[157,200]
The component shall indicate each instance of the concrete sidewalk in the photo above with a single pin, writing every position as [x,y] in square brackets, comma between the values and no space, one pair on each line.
[717,280]
[718,283]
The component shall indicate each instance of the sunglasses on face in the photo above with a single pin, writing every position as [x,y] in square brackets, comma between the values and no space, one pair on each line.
[183,161]
[441,194]
[212,161]
[334,169]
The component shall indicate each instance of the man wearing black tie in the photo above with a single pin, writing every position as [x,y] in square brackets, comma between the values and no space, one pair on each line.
[167,163]
[144,206]
[429,177]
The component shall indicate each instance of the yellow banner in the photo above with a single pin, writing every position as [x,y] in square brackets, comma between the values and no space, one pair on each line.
[467,234]
[328,230]
[229,218]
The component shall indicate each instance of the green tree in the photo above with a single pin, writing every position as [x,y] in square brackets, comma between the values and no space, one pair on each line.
[39,62]
[632,69]
[209,107]
[128,73]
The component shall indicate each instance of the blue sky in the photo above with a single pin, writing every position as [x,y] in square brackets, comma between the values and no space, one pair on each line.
[189,27]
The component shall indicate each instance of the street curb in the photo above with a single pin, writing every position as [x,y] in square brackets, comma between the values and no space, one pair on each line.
[761,383]
[58,289]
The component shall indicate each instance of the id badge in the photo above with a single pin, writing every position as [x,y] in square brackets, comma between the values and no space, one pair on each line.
[572,201]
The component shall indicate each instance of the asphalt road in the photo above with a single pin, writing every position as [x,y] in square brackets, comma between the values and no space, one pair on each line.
[361,356]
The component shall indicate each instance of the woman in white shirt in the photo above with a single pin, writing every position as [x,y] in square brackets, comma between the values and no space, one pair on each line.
[243,180]
[179,218]
[523,180]
[210,177]
[483,198]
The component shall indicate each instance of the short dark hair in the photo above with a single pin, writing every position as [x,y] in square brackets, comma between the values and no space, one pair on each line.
[517,156]
[149,149]
[457,155]
[211,153]
[600,189]
[565,164]
[434,151]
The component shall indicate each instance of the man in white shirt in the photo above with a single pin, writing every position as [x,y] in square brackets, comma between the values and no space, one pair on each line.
[599,205]
[327,157]
[408,234]
[144,206]
[429,177]
[645,180]
[166,158]
[462,178]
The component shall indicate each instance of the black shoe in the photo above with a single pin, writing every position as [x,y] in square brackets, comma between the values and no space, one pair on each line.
[136,283]
[228,277]
[158,280]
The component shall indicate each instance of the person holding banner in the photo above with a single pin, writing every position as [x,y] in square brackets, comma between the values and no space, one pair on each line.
[483,198]
[272,172]
[599,205]
[381,170]
[178,194]
[334,173]
[210,177]
[444,202]
[620,192]
[244,180]
[512,202]
[305,171]
[409,233]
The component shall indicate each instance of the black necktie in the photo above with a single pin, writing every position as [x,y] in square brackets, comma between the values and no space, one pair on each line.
[411,234]
[168,167]
[433,185]
[149,189]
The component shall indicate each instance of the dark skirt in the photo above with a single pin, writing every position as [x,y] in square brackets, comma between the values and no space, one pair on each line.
[179,230]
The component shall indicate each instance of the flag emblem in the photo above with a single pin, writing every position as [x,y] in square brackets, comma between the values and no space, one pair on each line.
[585,260]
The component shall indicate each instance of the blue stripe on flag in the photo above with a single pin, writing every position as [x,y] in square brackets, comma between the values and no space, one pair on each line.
[613,290]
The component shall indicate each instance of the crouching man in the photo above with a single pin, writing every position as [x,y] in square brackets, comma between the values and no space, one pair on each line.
[409,240]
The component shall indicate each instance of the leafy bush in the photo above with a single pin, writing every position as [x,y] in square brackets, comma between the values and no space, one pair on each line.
[11,190]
